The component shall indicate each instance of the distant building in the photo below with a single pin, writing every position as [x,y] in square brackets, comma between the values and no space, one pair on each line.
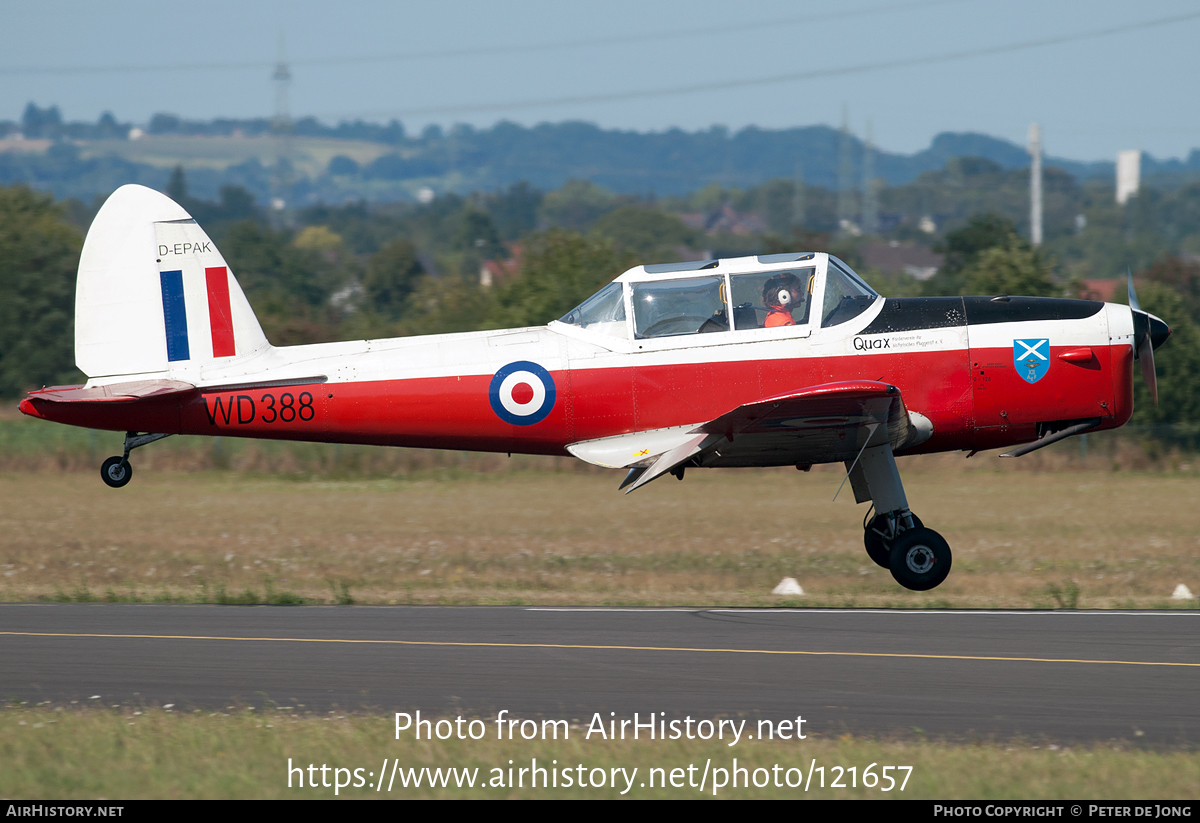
[1106,291]
[1129,175]
[495,272]
[725,220]
[896,257]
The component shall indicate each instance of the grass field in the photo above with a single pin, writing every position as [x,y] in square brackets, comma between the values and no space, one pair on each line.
[226,522]
[244,522]
[67,752]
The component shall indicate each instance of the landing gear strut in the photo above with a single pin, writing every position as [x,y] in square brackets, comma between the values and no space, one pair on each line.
[918,558]
[116,471]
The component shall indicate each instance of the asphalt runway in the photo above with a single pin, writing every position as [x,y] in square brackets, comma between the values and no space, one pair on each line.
[1067,676]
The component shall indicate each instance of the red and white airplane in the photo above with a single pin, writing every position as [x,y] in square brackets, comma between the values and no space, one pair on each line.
[774,360]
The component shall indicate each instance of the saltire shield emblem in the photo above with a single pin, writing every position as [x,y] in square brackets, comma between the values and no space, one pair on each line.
[522,393]
[220,315]
[1031,356]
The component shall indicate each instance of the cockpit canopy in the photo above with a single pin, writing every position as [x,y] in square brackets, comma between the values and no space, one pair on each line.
[702,301]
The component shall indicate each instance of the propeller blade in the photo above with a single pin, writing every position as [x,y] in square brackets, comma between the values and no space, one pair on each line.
[1146,358]
[1148,334]
[1133,301]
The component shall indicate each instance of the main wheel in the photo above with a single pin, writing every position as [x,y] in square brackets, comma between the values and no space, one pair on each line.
[879,549]
[116,471]
[920,559]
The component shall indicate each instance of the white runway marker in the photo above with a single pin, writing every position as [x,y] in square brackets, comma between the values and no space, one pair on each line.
[788,586]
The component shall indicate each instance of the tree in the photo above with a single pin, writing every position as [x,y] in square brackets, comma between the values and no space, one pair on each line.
[1184,277]
[288,286]
[177,186]
[39,256]
[963,247]
[577,204]
[1177,365]
[1011,268]
[514,210]
[45,122]
[647,234]
[392,274]
[561,269]
[476,232]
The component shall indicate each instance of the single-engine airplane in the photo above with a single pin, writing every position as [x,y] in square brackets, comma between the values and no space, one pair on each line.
[771,360]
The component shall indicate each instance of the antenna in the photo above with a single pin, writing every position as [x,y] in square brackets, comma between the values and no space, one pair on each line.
[281,126]
[798,197]
[1035,185]
[846,198]
[870,217]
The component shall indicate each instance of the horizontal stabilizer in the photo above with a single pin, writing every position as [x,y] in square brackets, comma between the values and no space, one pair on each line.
[114,393]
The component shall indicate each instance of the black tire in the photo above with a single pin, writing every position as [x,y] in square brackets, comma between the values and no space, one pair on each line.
[877,548]
[116,472]
[920,559]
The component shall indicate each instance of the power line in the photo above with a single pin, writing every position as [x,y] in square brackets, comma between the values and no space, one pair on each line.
[482,51]
[790,77]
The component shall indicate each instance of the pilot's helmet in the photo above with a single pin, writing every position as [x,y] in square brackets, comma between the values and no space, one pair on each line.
[781,291]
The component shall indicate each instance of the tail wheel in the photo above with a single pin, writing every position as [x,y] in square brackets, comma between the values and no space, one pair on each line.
[879,549]
[920,559]
[116,472]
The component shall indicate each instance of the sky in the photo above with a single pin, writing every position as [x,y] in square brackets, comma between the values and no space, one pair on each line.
[1098,75]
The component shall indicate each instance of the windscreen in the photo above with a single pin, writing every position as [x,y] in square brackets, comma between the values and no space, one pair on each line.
[603,312]
[846,295]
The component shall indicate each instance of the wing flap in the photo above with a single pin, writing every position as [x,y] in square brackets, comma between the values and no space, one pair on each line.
[676,457]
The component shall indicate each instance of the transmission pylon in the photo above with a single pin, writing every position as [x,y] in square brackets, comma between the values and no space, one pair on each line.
[798,204]
[281,128]
[846,194]
[870,215]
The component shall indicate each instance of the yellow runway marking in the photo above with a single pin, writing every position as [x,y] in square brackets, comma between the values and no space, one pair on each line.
[599,648]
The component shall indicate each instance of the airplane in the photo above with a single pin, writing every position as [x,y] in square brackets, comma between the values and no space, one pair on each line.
[767,360]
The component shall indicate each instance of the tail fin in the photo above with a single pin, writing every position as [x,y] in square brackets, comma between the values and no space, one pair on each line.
[154,296]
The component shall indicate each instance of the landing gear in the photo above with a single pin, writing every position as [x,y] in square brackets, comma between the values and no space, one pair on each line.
[918,558]
[881,531]
[116,471]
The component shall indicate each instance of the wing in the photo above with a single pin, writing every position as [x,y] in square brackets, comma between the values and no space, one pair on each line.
[828,423]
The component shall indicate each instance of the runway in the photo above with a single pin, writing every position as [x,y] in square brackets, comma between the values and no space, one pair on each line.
[1063,676]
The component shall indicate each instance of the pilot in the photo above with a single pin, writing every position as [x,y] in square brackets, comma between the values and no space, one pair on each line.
[782,295]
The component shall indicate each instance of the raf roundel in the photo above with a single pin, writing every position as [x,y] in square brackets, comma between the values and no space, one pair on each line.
[522,393]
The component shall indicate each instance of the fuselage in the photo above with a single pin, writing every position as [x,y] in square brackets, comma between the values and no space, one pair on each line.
[958,361]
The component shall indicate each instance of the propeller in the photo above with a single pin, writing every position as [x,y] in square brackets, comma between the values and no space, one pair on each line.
[1148,334]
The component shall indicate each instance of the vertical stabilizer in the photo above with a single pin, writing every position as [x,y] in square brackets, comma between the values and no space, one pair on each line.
[155,296]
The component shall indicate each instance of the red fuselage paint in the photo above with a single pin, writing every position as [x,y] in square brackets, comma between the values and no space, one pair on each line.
[974,398]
